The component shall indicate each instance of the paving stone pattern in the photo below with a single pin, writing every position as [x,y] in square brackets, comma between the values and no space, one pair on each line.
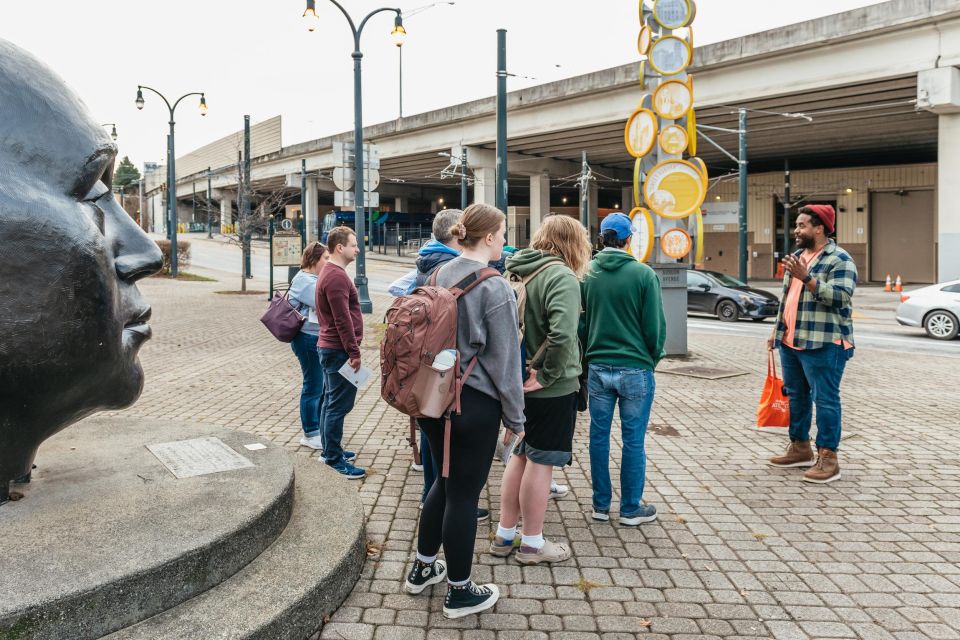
[740,550]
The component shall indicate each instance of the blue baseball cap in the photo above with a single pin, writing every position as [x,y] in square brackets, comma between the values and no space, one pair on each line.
[619,223]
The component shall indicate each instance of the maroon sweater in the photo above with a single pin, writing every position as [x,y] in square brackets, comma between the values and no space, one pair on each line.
[338,309]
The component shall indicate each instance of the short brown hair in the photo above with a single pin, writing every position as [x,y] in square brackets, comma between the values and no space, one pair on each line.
[566,238]
[476,223]
[312,254]
[339,235]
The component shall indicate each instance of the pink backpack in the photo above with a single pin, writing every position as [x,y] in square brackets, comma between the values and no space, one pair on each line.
[419,326]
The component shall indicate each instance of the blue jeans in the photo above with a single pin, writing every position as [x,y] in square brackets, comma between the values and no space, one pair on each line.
[304,345]
[338,398]
[634,389]
[813,376]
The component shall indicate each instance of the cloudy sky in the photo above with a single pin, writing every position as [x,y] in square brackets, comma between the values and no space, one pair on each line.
[256,57]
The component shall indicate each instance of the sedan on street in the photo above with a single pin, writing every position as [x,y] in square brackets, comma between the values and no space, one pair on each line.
[935,308]
[727,298]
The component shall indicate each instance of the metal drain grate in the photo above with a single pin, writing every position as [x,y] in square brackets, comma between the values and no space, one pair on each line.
[705,373]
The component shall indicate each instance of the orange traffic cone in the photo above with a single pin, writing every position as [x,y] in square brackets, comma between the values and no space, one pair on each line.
[889,286]
[898,287]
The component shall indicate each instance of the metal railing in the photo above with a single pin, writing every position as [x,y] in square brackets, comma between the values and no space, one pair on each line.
[399,239]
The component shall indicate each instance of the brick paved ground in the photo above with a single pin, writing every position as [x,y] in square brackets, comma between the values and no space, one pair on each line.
[740,550]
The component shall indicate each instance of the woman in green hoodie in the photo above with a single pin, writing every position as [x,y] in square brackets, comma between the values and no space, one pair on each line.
[551,268]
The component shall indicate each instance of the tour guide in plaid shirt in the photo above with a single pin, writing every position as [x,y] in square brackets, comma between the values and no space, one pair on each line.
[815,335]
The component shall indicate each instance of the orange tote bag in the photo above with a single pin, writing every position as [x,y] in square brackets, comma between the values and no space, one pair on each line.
[774,409]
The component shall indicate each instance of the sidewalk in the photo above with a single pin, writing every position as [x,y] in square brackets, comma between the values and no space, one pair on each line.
[740,550]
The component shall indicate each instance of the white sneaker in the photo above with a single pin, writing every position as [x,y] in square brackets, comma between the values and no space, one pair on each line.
[416,467]
[558,490]
[314,442]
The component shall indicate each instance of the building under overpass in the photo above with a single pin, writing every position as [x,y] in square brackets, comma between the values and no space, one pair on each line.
[879,137]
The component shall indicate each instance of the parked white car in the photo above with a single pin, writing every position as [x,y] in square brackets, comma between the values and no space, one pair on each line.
[935,308]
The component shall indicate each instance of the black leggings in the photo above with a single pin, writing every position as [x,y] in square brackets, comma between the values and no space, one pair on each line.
[450,511]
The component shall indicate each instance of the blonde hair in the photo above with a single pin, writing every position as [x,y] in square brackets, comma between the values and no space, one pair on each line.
[565,238]
[476,223]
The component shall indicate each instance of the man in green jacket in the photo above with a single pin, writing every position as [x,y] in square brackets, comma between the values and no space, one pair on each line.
[624,330]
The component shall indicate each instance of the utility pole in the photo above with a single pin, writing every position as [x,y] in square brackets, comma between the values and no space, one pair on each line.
[303,204]
[209,204]
[463,178]
[742,213]
[248,271]
[501,191]
[786,208]
[584,183]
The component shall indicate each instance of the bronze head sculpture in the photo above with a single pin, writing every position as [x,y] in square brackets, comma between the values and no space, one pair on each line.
[71,317]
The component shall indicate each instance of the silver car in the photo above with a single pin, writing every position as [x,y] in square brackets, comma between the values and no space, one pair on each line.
[935,308]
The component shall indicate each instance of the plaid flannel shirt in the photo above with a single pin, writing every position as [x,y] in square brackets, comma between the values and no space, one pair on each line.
[824,315]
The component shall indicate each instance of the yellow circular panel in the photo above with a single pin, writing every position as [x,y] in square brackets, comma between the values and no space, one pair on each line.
[641,242]
[672,14]
[640,132]
[672,99]
[701,167]
[670,55]
[674,189]
[643,40]
[698,256]
[673,139]
[675,243]
[637,174]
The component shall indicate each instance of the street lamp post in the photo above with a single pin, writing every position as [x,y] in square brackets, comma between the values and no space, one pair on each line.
[171,171]
[310,14]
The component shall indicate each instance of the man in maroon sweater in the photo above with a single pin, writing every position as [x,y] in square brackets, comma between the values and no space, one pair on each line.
[341,330]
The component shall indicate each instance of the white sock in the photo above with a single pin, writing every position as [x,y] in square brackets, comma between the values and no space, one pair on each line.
[535,542]
[426,559]
[458,583]
[553,485]
[507,534]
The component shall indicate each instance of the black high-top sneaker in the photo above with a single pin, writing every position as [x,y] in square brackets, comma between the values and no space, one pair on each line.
[469,598]
[422,575]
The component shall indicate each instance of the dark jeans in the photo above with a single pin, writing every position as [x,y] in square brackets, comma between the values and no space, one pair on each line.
[812,376]
[449,516]
[304,346]
[338,398]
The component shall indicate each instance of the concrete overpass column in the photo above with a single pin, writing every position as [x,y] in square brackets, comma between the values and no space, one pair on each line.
[310,210]
[226,212]
[626,199]
[948,198]
[539,200]
[485,187]
[402,204]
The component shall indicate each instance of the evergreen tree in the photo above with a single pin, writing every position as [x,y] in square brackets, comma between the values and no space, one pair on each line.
[126,173]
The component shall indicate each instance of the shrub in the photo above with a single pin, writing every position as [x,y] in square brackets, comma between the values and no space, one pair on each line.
[183,255]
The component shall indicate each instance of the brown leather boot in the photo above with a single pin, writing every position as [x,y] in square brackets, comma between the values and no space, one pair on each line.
[826,470]
[798,454]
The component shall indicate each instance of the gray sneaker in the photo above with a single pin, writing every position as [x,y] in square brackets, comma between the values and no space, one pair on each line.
[646,513]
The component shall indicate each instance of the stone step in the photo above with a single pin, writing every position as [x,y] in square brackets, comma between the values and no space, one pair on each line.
[106,535]
[288,590]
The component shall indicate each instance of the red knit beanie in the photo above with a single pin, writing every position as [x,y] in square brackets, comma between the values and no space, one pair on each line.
[826,214]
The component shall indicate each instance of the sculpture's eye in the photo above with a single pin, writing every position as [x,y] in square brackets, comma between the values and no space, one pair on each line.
[93,198]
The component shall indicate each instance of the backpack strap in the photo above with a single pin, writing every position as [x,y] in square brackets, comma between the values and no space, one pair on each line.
[445,471]
[473,280]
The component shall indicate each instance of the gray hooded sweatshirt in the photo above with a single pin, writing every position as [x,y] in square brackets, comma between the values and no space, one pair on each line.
[487,325]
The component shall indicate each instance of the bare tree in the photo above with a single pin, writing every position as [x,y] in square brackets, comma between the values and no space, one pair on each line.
[255,207]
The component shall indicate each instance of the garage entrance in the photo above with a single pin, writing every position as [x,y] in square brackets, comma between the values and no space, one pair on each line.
[902,238]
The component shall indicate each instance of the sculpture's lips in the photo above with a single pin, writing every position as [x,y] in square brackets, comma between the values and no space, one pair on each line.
[138,327]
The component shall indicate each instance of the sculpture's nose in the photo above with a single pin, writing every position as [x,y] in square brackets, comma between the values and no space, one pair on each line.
[135,254]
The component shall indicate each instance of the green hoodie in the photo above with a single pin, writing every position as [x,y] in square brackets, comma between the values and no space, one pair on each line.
[552,313]
[623,312]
